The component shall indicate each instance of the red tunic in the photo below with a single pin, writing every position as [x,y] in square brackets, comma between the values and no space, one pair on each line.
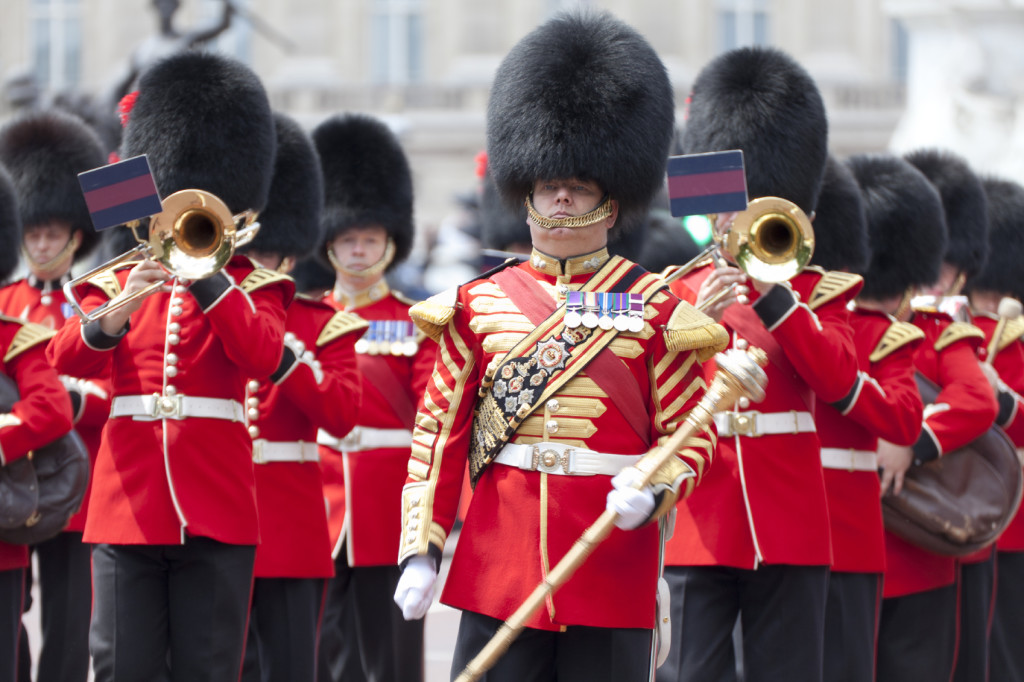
[1009,363]
[41,416]
[964,409]
[158,479]
[319,391]
[521,522]
[888,406]
[365,485]
[763,501]
[49,308]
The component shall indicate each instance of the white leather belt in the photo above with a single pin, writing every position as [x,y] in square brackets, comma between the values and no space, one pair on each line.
[156,406]
[753,424]
[849,459]
[366,438]
[564,460]
[264,451]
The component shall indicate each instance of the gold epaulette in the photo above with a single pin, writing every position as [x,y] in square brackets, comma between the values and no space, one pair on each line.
[261,277]
[29,335]
[833,284]
[340,324]
[1012,330]
[690,329]
[403,298]
[956,332]
[434,314]
[896,336]
[107,282]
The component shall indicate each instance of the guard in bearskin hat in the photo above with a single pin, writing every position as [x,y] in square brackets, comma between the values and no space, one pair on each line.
[887,407]
[771,547]
[368,221]
[966,211]
[315,385]
[45,151]
[907,227]
[578,129]
[995,291]
[42,415]
[173,510]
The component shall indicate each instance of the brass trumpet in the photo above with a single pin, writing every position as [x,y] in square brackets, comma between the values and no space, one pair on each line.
[192,237]
[771,241]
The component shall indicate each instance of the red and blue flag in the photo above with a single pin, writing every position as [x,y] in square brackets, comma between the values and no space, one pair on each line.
[120,193]
[699,184]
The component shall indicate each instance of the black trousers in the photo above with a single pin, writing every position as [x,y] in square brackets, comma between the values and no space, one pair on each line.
[284,623]
[851,626]
[170,612]
[977,600]
[782,615]
[917,636]
[65,587]
[364,636]
[12,592]
[580,654]
[1007,653]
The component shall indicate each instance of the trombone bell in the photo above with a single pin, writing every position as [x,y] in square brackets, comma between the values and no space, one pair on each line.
[772,240]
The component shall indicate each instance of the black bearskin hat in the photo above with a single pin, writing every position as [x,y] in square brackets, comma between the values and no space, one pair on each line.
[761,101]
[367,180]
[906,225]
[1001,272]
[668,242]
[10,227]
[963,200]
[290,224]
[840,226]
[44,152]
[585,96]
[205,122]
[312,277]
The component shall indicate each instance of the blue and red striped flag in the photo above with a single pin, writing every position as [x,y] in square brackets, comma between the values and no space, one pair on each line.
[699,184]
[119,193]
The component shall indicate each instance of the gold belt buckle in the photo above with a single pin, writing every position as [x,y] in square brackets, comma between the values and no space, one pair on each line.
[167,406]
[743,424]
[548,460]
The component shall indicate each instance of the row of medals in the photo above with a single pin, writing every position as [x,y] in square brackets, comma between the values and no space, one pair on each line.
[389,337]
[592,309]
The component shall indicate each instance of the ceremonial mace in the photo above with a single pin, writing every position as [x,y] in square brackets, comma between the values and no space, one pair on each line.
[739,375]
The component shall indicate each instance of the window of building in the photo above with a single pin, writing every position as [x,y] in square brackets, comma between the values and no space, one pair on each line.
[56,30]
[396,40]
[742,23]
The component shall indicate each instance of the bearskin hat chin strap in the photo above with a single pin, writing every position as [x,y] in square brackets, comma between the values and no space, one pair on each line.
[54,263]
[603,210]
[373,270]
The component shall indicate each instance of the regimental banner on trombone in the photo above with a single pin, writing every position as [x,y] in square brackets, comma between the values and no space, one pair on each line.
[120,193]
[699,184]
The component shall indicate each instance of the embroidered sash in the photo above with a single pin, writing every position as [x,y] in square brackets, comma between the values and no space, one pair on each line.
[541,363]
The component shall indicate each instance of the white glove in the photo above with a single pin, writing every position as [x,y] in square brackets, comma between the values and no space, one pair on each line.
[415,589]
[633,506]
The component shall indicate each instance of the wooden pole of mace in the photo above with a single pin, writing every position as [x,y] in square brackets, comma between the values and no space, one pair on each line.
[739,374]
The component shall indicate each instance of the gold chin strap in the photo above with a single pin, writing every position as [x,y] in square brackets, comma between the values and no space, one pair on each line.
[603,210]
[49,266]
[903,310]
[373,270]
[958,284]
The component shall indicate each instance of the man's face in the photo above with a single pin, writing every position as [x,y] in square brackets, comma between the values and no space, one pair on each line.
[360,247]
[947,276]
[563,199]
[44,241]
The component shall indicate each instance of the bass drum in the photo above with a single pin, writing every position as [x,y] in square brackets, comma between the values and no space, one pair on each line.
[962,501]
[38,496]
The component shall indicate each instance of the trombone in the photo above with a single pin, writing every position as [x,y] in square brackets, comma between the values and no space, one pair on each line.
[771,241]
[192,237]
